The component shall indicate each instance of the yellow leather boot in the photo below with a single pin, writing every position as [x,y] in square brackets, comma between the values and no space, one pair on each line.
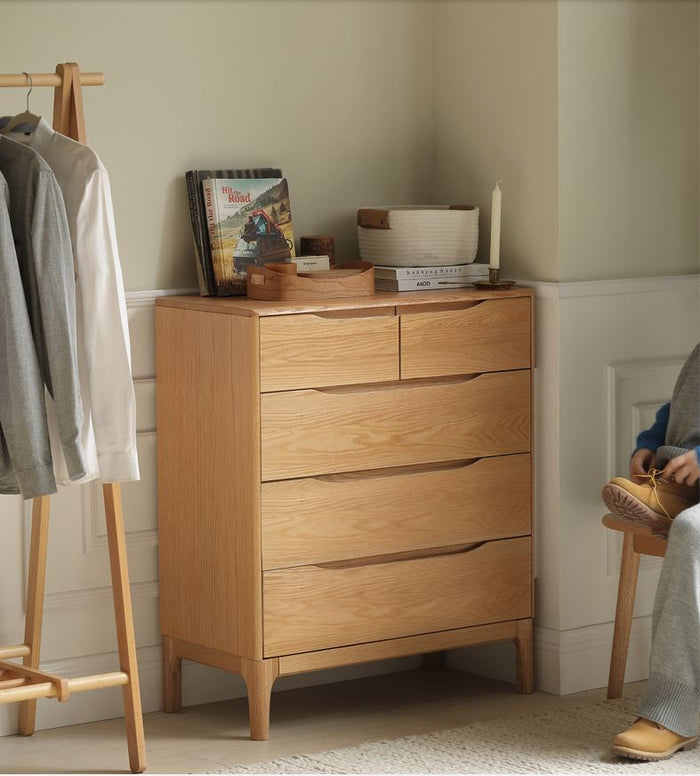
[654,503]
[647,740]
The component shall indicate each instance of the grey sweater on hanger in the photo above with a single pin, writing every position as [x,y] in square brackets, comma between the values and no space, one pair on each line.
[25,457]
[45,258]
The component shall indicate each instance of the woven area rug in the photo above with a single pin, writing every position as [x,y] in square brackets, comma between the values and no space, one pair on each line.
[571,739]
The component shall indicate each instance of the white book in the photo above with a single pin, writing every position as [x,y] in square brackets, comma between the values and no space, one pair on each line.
[472,270]
[382,284]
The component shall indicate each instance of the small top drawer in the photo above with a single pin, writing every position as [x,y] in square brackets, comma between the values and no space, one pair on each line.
[319,350]
[490,336]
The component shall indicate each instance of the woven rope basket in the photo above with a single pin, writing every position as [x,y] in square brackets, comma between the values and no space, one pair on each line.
[418,236]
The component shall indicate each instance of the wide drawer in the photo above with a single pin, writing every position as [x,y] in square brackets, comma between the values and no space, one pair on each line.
[310,432]
[489,336]
[341,516]
[319,607]
[315,350]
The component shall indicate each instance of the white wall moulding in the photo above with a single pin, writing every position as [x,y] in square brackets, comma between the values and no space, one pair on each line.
[101,596]
[587,288]
[147,298]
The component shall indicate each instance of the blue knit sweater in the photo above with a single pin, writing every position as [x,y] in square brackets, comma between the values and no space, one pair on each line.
[654,437]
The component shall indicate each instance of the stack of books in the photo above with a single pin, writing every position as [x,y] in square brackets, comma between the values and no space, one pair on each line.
[239,218]
[423,278]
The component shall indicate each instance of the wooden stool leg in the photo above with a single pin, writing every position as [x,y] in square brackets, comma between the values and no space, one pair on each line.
[125,626]
[524,663]
[36,584]
[172,676]
[626,590]
[259,677]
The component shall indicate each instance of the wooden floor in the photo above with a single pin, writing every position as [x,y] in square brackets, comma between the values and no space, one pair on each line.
[208,738]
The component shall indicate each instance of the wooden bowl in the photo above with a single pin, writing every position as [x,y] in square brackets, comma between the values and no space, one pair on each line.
[351,279]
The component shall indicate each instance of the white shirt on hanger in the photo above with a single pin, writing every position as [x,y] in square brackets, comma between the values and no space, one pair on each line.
[108,433]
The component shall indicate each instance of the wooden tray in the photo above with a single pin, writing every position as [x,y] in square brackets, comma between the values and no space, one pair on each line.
[281,282]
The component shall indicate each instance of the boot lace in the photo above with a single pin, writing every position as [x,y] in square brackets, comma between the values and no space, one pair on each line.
[654,478]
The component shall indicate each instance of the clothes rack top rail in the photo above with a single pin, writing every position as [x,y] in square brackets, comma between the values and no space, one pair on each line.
[48,79]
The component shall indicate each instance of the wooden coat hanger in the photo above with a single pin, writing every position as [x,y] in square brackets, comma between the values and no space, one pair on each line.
[26,683]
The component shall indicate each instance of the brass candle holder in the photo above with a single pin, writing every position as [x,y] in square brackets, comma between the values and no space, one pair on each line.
[494,283]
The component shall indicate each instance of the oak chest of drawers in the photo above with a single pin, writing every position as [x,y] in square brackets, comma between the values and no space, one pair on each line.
[342,482]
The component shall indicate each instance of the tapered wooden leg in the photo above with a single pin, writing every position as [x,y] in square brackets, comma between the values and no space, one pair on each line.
[172,676]
[524,663]
[259,677]
[125,626]
[626,590]
[36,583]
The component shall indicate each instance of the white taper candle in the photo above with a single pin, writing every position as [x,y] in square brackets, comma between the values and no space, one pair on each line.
[494,260]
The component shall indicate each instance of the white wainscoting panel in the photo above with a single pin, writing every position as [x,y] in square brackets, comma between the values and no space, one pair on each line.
[598,330]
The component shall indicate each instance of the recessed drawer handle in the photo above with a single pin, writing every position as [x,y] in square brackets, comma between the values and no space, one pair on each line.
[394,471]
[395,385]
[353,315]
[397,557]
[446,307]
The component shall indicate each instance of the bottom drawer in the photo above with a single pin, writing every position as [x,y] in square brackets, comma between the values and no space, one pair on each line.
[333,604]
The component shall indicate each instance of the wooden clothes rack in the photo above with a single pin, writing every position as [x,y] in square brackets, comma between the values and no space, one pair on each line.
[26,683]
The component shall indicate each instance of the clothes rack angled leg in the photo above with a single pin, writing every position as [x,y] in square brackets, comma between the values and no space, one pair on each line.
[25,683]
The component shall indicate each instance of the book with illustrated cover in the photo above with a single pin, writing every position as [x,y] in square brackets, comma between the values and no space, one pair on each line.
[200,235]
[249,221]
[473,270]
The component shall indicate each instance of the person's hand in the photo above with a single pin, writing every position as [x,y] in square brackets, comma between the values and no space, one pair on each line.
[684,469]
[641,462]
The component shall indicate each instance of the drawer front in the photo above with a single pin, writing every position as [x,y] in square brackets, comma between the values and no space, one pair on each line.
[490,336]
[342,516]
[309,351]
[320,607]
[311,432]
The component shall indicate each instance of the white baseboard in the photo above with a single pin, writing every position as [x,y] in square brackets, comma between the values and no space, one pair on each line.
[566,662]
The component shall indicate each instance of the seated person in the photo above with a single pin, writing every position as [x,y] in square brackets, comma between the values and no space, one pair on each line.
[663,491]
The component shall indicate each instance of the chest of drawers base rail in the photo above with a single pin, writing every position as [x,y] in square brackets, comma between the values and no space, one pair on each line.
[309,518]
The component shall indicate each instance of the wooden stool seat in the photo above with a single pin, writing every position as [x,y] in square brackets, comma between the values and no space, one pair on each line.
[638,540]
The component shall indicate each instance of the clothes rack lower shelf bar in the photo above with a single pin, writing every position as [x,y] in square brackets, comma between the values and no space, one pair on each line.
[30,691]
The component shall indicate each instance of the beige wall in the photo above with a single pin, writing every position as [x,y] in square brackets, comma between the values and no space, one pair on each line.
[496,117]
[338,94]
[628,138]
[587,110]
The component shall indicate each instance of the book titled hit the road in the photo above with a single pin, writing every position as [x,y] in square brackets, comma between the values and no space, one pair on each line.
[249,221]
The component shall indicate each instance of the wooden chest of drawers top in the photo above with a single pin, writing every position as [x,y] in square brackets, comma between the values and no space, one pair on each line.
[405,301]
[384,338]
